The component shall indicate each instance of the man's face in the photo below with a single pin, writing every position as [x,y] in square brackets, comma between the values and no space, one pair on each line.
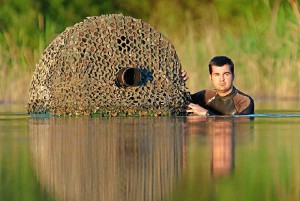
[222,79]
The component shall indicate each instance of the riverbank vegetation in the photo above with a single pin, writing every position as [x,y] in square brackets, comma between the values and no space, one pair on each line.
[261,36]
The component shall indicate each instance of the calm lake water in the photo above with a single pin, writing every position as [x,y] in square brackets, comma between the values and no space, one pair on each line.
[156,158]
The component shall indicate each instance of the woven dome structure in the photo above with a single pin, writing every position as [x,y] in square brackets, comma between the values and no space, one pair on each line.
[112,65]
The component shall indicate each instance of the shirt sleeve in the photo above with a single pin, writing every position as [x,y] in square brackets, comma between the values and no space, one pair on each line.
[199,98]
[249,108]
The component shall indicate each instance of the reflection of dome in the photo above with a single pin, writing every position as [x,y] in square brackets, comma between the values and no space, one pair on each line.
[89,159]
[77,73]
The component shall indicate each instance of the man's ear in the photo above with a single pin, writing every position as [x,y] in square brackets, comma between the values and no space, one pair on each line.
[233,77]
[210,77]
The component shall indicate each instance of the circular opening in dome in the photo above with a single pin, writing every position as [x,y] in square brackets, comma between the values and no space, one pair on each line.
[129,77]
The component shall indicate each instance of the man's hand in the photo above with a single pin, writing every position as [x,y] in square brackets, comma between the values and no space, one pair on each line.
[184,75]
[196,109]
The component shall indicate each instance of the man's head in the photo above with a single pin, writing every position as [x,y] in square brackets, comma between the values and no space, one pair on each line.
[220,61]
[221,70]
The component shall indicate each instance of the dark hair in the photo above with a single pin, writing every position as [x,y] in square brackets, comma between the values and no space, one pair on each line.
[220,61]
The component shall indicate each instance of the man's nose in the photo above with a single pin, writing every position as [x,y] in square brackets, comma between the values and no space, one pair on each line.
[222,78]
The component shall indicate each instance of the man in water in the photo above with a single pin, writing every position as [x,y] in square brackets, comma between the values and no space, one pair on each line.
[225,99]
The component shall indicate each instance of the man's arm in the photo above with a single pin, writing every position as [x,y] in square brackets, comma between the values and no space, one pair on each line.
[197,98]
[244,104]
[249,108]
[198,110]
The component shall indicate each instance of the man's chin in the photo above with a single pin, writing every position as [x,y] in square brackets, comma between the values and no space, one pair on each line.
[224,90]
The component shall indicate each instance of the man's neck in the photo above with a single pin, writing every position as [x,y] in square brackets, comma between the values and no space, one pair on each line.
[225,93]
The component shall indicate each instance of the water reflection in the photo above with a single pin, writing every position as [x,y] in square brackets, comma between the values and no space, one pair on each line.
[221,133]
[108,158]
[222,148]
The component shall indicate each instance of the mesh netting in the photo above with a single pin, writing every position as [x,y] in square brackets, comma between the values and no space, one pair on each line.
[109,65]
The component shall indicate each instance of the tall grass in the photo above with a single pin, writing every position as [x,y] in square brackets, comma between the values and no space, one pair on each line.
[263,43]
[19,52]
[265,51]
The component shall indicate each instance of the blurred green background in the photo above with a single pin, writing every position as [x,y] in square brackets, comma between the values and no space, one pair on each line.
[261,36]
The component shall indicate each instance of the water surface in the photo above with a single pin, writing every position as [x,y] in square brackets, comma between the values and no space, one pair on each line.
[150,158]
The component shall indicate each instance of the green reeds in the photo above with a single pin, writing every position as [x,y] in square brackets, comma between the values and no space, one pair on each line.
[20,49]
[263,39]
[265,50]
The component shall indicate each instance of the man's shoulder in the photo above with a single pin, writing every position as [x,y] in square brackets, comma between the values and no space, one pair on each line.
[206,92]
[243,102]
[243,96]
[203,96]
